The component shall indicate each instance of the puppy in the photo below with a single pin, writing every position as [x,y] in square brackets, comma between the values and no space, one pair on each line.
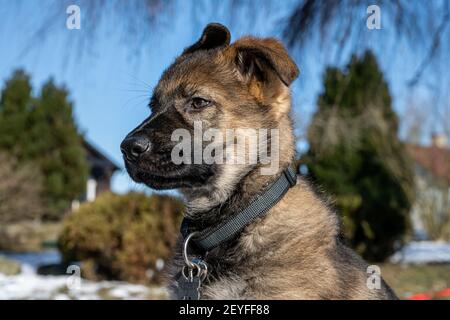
[294,250]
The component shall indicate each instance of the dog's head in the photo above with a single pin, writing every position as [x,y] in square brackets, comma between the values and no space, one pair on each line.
[215,83]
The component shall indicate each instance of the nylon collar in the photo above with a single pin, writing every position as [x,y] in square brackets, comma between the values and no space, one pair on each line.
[212,237]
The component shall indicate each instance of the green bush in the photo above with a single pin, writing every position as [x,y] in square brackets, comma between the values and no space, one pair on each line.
[122,236]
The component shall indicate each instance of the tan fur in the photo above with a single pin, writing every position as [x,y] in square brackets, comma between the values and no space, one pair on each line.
[295,250]
[291,253]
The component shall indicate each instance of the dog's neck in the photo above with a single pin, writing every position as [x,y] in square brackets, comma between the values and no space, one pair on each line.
[233,191]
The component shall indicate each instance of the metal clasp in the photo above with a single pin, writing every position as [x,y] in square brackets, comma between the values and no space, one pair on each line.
[195,264]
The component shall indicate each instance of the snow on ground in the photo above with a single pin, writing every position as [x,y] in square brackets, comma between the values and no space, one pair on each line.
[30,285]
[422,252]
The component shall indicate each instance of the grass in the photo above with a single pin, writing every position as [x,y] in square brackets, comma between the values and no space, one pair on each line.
[408,280]
[9,267]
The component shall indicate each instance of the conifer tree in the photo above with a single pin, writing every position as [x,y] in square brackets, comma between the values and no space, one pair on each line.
[355,155]
[41,130]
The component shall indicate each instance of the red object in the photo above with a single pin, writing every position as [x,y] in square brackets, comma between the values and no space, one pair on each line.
[421,296]
[443,293]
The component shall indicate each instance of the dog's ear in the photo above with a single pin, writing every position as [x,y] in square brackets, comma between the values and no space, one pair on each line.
[214,35]
[259,57]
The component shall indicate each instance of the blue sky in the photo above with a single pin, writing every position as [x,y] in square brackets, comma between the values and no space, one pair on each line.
[110,86]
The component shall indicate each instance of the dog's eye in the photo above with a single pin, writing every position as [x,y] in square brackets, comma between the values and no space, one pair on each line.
[199,103]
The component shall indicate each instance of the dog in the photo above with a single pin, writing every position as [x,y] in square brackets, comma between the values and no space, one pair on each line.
[295,250]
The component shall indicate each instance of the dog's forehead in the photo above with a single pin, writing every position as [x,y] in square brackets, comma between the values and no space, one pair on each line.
[188,73]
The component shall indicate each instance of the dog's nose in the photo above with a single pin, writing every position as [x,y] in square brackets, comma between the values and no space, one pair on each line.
[133,147]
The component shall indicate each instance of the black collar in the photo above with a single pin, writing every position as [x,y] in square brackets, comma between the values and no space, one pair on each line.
[212,237]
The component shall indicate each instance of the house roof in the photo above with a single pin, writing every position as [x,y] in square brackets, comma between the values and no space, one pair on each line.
[98,158]
[434,159]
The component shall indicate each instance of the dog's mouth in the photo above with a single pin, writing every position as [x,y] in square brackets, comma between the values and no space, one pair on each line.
[161,173]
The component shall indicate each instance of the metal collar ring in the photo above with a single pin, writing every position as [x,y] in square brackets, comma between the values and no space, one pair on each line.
[187,261]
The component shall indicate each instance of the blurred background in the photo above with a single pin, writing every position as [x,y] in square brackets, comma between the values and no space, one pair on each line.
[372,118]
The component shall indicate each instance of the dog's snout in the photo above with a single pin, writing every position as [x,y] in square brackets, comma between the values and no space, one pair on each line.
[133,147]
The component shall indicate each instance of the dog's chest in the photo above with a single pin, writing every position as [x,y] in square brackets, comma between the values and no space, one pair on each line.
[224,288]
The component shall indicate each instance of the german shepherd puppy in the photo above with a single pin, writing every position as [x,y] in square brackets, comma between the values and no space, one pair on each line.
[295,251]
